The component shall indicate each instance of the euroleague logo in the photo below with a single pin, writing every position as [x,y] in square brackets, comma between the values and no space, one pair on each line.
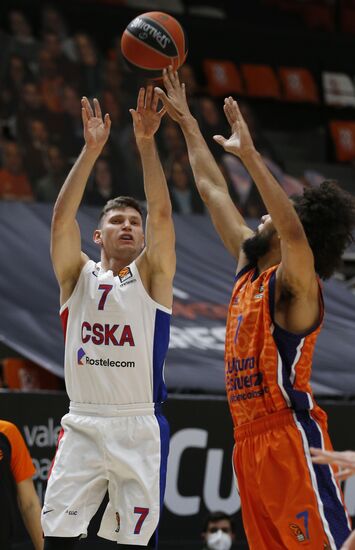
[125,274]
[297,532]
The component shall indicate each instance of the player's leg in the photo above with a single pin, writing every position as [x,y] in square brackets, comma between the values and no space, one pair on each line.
[78,481]
[257,524]
[303,499]
[139,449]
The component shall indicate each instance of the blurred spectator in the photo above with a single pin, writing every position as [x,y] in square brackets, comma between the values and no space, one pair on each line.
[188,77]
[16,487]
[22,42]
[51,42]
[71,122]
[36,157]
[112,106]
[211,121]
[89,65]
[30,106]
[184,196]
[11,87]
[218,531]
[14,184]
[112,78]
[50,81]
[48,187]
[53,21]
[102,187]
[171,142]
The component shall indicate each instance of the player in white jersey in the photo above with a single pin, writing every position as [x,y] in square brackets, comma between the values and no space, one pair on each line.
[116,316]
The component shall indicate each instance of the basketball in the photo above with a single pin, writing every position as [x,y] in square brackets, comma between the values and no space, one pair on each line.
[153,41]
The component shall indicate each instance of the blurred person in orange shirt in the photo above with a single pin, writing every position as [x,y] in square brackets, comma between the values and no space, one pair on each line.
[16,472]
[14,183]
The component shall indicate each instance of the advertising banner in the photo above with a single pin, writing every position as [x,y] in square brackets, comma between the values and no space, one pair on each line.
[200,477]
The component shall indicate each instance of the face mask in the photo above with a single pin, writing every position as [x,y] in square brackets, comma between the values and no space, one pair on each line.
[219,541]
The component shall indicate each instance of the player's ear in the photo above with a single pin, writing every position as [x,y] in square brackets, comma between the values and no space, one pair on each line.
[97,237]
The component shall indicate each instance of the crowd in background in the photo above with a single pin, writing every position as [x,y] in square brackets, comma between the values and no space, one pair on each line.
[42,79]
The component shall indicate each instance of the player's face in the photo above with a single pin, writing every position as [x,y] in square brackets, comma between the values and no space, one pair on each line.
[260,244]
[122,232]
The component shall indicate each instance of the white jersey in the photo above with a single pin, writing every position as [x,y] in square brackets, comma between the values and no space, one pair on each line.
[116,339]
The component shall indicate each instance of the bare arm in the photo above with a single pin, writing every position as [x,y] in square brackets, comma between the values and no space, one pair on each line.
[30,511]
[67,257]
[302,282]
[158,262]
[210,182]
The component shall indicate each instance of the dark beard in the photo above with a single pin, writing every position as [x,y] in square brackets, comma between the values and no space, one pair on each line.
[256,247]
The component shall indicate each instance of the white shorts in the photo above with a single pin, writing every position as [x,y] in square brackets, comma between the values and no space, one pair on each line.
[124,450]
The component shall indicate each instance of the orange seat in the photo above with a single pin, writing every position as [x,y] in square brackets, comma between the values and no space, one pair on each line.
[343,136]
[298,85]
[222,77]
[261,81]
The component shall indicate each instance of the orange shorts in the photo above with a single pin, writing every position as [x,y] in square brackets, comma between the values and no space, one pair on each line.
[288,503]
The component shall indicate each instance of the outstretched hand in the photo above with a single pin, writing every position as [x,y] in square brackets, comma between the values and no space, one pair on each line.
[240,142]
[146,117]
[96,129]
[344,459]
[174,100]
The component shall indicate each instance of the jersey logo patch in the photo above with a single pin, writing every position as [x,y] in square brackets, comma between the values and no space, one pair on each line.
[260,292]
[297,532]
[81,354]
[125,274]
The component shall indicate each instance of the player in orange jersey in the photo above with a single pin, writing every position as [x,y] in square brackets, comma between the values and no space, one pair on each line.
[16,486]
[275,315]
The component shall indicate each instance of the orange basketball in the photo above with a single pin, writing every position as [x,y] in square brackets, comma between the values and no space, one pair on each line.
[152,42]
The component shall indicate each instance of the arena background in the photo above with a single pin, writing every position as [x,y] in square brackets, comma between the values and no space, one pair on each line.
[313,35]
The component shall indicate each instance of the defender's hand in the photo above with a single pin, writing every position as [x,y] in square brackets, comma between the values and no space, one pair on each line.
[240,142]
[174,100]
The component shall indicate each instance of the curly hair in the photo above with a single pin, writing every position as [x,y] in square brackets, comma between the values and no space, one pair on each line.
[327,214]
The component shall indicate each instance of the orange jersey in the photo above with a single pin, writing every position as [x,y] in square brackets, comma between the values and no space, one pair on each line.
[20,461]
[267,369]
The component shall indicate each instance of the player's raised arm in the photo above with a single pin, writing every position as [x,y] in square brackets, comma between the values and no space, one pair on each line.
[66,252]
[158,262]
[295,249]
[210,182]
